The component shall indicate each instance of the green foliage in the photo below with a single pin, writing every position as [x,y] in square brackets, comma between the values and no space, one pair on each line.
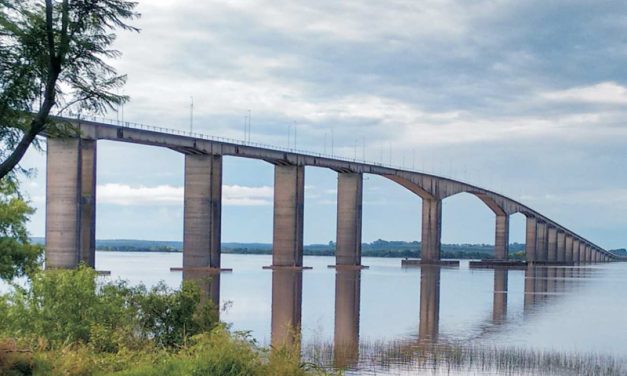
[17,255]
[68,323]
[62,307]
[53,57]
[172,316]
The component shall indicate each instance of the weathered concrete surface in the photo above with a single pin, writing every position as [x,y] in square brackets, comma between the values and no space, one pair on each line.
[289,202]
[561,246]
[208,284]
[499,303]
[501,241]
[576,251]
[552,244]
[429,326]
[70,203]
[542,242]
[287,298]
[410,263]
[568,256]
[498,264]
[428,187]
[431,230]
[349,214]
[202,210]
[347,306]
[87,248]
[531,236]
[582,252]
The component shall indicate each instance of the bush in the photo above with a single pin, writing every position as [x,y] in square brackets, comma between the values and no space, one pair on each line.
[66,307]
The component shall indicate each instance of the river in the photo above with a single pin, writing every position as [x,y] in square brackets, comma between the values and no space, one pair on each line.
[575,310]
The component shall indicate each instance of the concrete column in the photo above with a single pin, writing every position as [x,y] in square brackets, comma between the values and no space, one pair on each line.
[561,246]
[349,212]
[582,252]
[542,242]
[431,230]
[501,241]
[531,238]
[588,254]
[202,210]
[429,326]
[287,298]
[70,202]
[289,202]
[347,305]
[552,244]
[576,251]
[568,257]
[208,283]
[499,304]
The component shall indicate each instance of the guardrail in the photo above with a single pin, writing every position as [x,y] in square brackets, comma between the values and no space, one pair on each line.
[203,136]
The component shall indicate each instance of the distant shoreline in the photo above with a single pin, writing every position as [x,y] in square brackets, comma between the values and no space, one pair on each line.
[377,248]
[379,254]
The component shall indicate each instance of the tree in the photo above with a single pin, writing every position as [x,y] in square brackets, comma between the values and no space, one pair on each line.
[17,256]
[53,58]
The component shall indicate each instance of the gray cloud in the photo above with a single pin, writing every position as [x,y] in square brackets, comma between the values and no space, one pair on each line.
[524,97]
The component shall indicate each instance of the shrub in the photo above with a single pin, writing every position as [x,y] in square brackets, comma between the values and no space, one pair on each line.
[65,307]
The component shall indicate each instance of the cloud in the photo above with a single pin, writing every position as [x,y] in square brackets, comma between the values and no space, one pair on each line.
[603,93]
[126,195]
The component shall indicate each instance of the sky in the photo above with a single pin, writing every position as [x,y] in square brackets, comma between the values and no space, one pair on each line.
[527,98]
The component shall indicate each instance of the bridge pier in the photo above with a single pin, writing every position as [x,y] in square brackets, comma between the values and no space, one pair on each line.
[346,330]
[576,251]
[542,242]
[70,202]
[289,202]
[582,252]
[561,246]
[589,254]
[431,230]
[552,244]
[501,241]
[349,216]
[202,212]
[568,255]
[531,239]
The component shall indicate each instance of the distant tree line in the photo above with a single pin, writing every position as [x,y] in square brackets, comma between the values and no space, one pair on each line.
[378,248]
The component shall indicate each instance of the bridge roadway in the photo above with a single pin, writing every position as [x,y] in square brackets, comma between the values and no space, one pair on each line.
[71,201]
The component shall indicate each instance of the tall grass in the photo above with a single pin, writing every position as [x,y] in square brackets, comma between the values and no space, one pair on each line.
[66,323]
[379,357]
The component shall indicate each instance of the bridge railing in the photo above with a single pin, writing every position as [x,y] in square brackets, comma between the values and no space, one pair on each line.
[179,132]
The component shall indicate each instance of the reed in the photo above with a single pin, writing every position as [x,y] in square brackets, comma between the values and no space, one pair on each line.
[462,358]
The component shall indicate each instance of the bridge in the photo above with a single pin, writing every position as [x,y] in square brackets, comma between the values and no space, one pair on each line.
[71,201]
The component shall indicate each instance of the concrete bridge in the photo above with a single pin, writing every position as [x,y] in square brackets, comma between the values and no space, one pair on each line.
[71,201]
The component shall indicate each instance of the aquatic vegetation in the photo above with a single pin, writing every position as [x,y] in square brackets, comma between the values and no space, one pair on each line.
[460,358]
[66,322]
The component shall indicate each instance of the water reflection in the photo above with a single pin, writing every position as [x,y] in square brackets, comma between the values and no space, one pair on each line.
[347,305]
[428,327]
[499,303]
[287,298]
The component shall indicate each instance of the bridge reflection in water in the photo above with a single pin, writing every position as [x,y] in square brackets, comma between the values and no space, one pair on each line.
[542,285]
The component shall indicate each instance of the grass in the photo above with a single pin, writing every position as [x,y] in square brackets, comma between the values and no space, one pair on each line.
[461,358]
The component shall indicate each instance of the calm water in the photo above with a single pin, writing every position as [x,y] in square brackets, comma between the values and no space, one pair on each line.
[566,309]
[582,309]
